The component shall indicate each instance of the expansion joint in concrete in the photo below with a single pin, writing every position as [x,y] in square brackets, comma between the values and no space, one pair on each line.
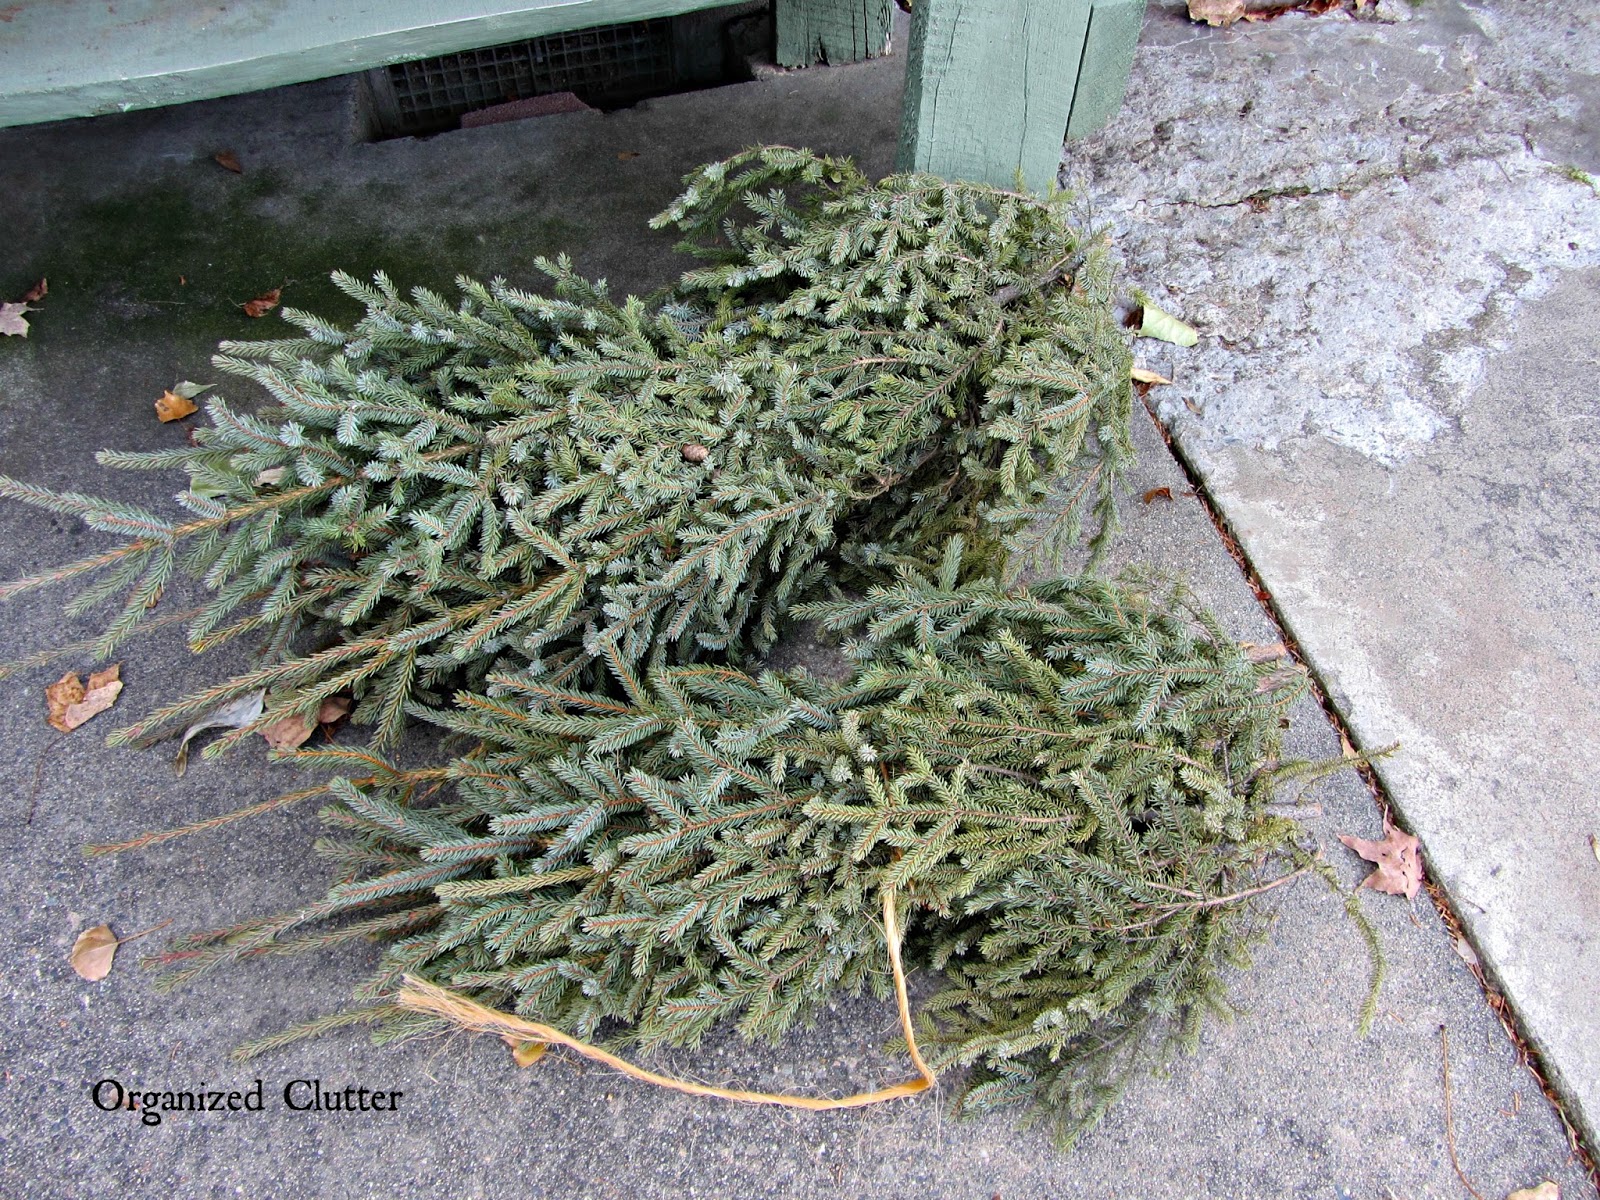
[1494,993]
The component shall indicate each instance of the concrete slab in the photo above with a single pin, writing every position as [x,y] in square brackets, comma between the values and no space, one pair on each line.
[1383,229]
[148,247]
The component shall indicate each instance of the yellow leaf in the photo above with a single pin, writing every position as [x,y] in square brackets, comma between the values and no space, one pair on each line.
[1545,1191]
[93,951]
[525,1054]
[1145,375]
[173,407]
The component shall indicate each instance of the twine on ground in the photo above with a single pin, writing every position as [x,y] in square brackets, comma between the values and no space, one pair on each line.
[424,997]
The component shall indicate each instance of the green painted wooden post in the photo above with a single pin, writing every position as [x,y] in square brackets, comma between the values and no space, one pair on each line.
[1107,58]
[831,31]
[989,87]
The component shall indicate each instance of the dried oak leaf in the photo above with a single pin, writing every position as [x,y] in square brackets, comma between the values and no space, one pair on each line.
[93,951]
[11,319]
[1399,863]
[262,304]
[71,702]
[228,161]
[1216,12]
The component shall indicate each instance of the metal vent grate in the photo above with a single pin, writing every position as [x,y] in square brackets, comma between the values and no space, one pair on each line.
[607,66]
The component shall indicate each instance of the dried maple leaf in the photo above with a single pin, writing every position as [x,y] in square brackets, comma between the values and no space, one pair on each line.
[173,407]
[37,292]
[93,951]
[1399,863]
[11,321]
[71,702]
[1216,12]
[228,160]
[262,304]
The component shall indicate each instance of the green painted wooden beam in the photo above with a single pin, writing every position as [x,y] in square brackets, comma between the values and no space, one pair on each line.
[989,87]
[1108,47]
[77,58]
[831,31]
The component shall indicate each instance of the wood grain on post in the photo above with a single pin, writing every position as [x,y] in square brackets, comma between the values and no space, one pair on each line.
[831,31]
[989,88]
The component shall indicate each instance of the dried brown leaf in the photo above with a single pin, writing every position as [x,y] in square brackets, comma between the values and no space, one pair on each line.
[228,160]
[173,407]
[71,703]
[93,951]
[262,304]
[37,292]
[287,732]
[1264,653]
[625,155]
[333,710]
[1397,858]
[1216,12]
[1154,494]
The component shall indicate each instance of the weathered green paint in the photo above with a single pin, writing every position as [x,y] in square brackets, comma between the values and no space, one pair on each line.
[831,31]
[1107,58]
[78,58]
[989,87]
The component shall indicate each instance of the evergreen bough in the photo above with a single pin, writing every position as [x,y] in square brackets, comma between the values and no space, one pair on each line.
[1066,787]
[566,530]
[573,486]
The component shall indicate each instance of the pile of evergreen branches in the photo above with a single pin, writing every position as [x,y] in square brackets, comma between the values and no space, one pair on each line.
[566,530]
[573,486]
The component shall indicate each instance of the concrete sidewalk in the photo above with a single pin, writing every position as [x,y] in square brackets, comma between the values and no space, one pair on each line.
[1285,1101]
[1383,229]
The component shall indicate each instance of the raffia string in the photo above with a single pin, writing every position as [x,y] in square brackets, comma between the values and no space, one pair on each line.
[421,996]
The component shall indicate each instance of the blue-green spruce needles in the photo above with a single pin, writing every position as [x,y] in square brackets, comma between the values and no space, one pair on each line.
[573,488]
[1066,786]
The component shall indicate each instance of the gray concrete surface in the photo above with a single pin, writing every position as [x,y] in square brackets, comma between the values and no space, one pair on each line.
[1377,228]
[1287,1100]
